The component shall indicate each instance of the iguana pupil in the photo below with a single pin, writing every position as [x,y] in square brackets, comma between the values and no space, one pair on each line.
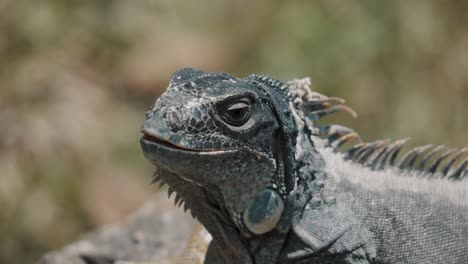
[237,113]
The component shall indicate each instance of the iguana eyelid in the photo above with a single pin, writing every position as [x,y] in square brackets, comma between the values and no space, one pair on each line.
[238,105]
[236,114]
[246,97]
[228,106]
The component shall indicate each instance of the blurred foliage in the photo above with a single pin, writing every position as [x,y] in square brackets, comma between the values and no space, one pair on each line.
[77,76]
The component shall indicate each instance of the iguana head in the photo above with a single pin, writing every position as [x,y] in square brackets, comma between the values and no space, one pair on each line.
[231,138]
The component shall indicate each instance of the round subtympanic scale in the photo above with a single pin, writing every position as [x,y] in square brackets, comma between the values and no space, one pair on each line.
[263,212]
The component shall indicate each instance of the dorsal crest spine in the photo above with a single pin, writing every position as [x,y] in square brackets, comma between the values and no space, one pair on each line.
[425,161]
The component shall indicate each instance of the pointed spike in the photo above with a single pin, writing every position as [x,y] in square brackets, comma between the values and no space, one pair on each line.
[394,154]
[356,150]
[314,116]
[321,101]
[452,161]
[177,199]
[334,132]
[155,180]
[315,94]
[339,130]
[185,207]
[317,104]
[398,147]
[181,201]
[407,157]
[344,139]
[432,170]
[169,192]
[378,152]
[351,152]
[381,162]
[376,149]
[366,152]
[458,173]
[428,156]
[161,184]
[418,151]
[156,177]
[404,159]
[363,155]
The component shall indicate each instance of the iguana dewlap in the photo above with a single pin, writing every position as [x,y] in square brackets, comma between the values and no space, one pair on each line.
[249,160]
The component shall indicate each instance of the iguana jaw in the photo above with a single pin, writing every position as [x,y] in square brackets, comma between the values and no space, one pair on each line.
[180,159]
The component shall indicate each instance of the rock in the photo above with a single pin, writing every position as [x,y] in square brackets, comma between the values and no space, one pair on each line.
[154,234]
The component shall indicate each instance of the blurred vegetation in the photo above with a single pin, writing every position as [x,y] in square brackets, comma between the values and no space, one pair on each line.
[76,78]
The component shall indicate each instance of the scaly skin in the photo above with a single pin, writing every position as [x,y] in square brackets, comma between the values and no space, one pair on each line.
[247,158]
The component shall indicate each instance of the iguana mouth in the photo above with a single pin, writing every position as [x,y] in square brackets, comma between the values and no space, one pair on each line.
[167,144]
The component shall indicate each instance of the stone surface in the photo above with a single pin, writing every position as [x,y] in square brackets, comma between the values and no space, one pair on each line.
[154,234]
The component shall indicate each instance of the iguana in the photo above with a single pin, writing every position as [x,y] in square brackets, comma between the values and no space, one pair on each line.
[249,159]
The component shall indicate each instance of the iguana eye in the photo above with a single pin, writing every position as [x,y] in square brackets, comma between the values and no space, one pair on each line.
[236,113]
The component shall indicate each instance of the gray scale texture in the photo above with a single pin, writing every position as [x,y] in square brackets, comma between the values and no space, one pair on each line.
[218,141]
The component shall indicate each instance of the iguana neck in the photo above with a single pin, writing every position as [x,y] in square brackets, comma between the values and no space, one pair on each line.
[393,180]
[309,175]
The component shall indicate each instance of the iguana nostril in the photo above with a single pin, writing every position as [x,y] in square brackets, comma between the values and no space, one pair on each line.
[172,119]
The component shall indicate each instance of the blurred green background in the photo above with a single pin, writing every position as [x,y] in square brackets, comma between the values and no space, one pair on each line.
[76,78]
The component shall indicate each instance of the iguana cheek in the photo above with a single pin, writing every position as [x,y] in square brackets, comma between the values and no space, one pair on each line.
[263,212]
